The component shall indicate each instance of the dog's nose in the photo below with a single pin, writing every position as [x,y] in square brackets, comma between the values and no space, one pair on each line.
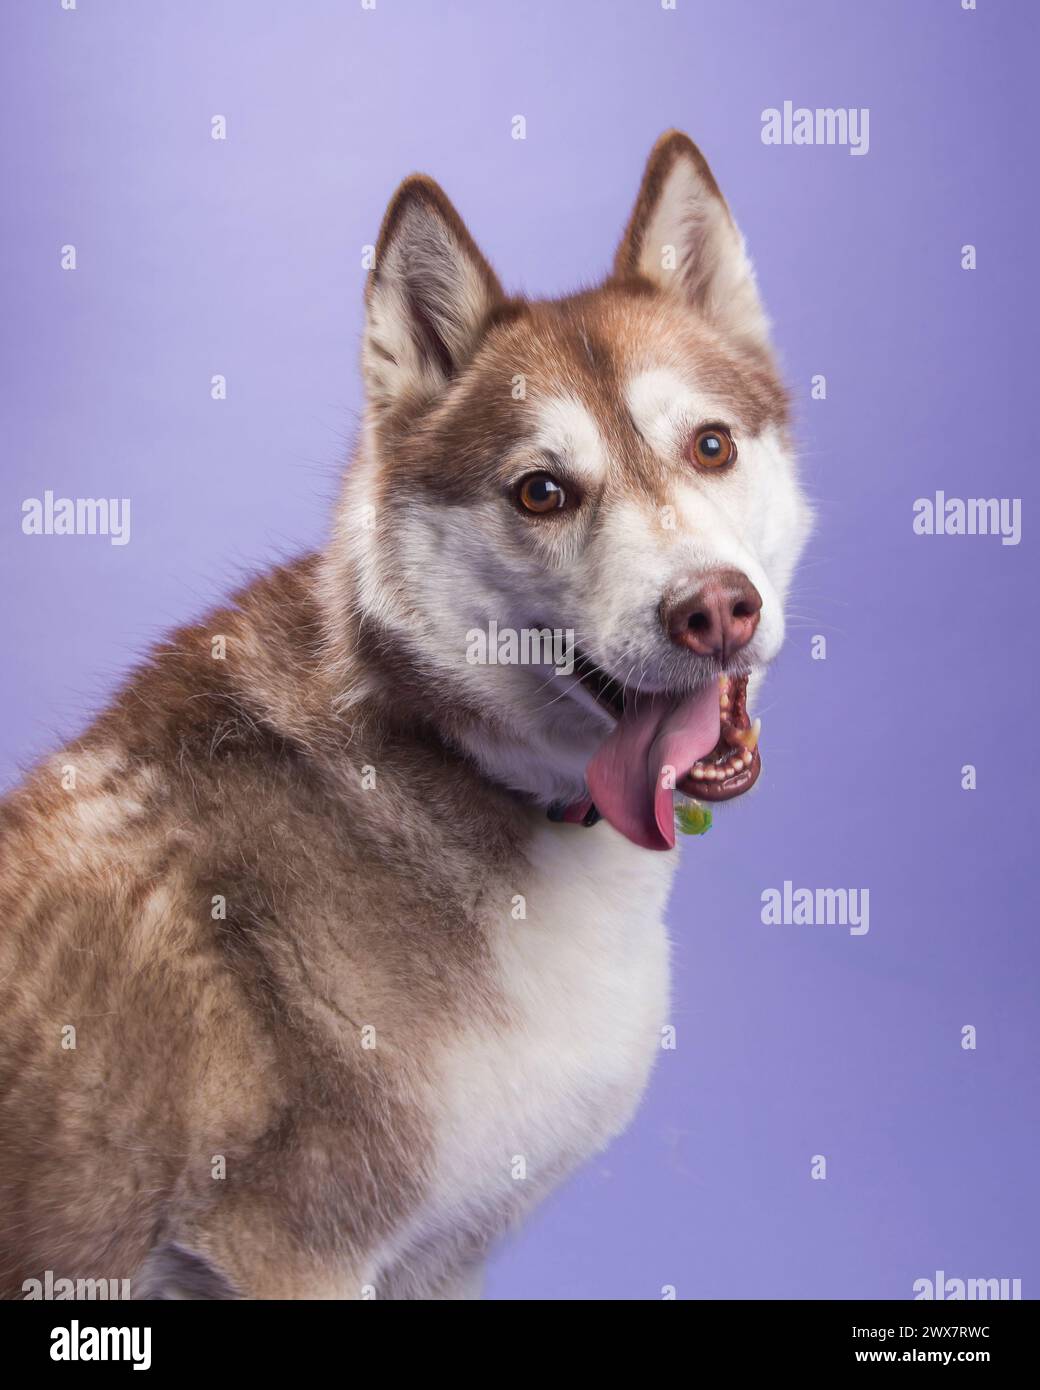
[719,618]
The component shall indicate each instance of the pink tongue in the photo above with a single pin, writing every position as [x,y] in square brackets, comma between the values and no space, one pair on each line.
[625,777]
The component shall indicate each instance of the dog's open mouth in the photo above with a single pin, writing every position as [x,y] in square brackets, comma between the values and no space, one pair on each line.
[733,765]
[703,745]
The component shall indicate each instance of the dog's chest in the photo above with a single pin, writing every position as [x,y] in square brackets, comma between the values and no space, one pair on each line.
[579,962]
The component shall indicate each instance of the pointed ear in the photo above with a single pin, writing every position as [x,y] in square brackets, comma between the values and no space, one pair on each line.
[428,298]
[682,237]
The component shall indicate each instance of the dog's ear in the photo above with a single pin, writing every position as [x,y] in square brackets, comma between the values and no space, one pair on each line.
[428,298]
[682,237]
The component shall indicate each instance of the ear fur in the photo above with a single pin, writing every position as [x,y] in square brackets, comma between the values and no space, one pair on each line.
[428,298]
[682,237]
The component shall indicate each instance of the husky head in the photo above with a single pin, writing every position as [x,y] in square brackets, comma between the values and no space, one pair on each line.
[572,524]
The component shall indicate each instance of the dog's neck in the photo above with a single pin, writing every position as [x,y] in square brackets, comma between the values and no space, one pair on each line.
[374,672]
[434,706]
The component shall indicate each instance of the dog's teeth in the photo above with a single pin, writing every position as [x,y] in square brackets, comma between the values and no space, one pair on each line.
[748,758]
[747,738]
[698,772]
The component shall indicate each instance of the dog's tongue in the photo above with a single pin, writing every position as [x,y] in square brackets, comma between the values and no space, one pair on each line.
[625,774]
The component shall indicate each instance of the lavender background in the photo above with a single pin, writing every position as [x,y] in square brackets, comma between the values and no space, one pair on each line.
[243,258]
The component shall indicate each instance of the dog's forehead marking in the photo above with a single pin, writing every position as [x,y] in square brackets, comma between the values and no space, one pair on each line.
[658,402]
[564,425]
[663,406]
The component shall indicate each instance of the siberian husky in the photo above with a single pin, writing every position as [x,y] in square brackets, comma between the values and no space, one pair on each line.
[329,949]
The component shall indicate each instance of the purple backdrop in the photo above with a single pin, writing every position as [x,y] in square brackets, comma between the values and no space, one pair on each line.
[243,257]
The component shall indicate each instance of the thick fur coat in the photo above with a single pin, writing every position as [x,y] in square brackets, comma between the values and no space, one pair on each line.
[302,994]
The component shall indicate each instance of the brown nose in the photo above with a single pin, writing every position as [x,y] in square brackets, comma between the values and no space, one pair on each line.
[719,618]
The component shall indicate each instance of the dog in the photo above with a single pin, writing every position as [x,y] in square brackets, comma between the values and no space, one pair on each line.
[328,951]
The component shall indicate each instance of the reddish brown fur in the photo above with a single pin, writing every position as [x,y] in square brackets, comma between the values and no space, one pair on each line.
[198,1037]
[242,778]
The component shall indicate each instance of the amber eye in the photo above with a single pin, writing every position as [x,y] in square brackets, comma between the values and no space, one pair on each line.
[540,493]
[713,447]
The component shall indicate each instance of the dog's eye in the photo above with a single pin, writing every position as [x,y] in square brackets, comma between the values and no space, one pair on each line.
[540,493]
[713,447]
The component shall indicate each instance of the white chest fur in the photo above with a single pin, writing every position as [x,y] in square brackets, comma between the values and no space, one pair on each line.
[584,973]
